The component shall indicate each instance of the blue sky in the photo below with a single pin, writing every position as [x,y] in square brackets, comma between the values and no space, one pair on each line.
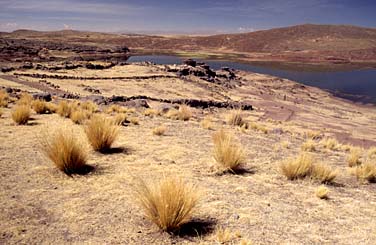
[197,16]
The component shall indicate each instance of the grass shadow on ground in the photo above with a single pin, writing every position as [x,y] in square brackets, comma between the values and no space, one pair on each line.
[197,228]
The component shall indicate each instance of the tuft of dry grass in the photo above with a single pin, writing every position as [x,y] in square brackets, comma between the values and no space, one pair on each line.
[1,112]
[297,168]
[101,133]
[258,127]
[79,116]
[169,203]
[21,114]
[160,130]
[52,108]
[309,145]
[184,113]
[89,106]
[322,192]
[207,123]
[4,98]
[323,173]
[235,118]
[330,143]
[366,172]
[65,150]
[40,106]
[120,119]
[228,154]
[134,120]
[312,134]
[371,152]
[65,108]
[149,112]
[116,109]
[25,99]
[353,159]
[223,235]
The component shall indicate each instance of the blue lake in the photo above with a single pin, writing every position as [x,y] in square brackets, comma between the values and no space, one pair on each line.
[358,85]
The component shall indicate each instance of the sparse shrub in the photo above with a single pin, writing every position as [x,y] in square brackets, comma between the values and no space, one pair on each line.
[101,133]
[297,168]
[229,155]
[258,127]
[65,150]
[322,192]
[184,113]
[65,108]
[353,159]
[160,130]
[149,112]
[79,116]
[116,109]
[40,106]
[52,108]
[21,114]
[169,203]
[372,152]
[134,120]
[323,173]
[120,119]
[207,123]
[89,106]
[309,145]
[366,172]
[235,118]
[4,98]
[330,143]
[25,99]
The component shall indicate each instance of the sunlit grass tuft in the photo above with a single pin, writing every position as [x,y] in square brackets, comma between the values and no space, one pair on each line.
[21,114]
[322,192]
[297,168]
[101,133]
[353,159]
[160,130]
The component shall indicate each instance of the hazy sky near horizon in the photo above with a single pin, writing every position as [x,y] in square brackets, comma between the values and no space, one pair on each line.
[169,16]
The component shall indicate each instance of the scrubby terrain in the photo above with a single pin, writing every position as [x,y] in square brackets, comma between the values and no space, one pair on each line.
[280,119]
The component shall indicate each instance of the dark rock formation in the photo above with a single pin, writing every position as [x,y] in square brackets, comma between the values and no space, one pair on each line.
[42,96]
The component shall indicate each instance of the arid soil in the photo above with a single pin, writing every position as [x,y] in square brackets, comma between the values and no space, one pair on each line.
[41,205]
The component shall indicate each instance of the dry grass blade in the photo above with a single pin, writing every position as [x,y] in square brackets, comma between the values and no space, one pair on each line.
[65,108]
[366,172]
[169,203]
[4,98]
[229,155]
[25,99]
[101,133]
[323,173]
[297,168]
[120,119]
[354,156]
[235,118]
[309,145]
[79,116]
[89,106]
[21,114]
[40,107]
[65,151]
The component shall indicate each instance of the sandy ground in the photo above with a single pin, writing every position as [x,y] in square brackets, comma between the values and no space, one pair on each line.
[42,205]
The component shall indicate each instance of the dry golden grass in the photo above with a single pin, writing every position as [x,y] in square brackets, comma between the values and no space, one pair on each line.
[366,172]
[116,109]
[101,133]
[258,127]
[353,159]
[371,152]
[89,106]
[149,112]
[312,134]
[323,173]
[65,150]
[25,99]
[120,118]
[309,145]
[228,154]
[79,116]
[330,143]
[21,114]
[40,106]
[169,203]
[322,192]
[52,108]
[223,236]
[1,112]
[134,120]
[184,113]
[66,108]
[297,168]
[207,123]
[4,98]
[160,130]
[285,144]
[235,118]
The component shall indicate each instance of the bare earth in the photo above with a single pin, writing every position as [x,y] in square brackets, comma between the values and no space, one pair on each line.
[40,205]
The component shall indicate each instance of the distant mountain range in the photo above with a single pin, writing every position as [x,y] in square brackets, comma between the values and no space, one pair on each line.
[303,43]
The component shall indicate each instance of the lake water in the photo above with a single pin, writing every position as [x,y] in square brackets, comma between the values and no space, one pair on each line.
[358,85]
